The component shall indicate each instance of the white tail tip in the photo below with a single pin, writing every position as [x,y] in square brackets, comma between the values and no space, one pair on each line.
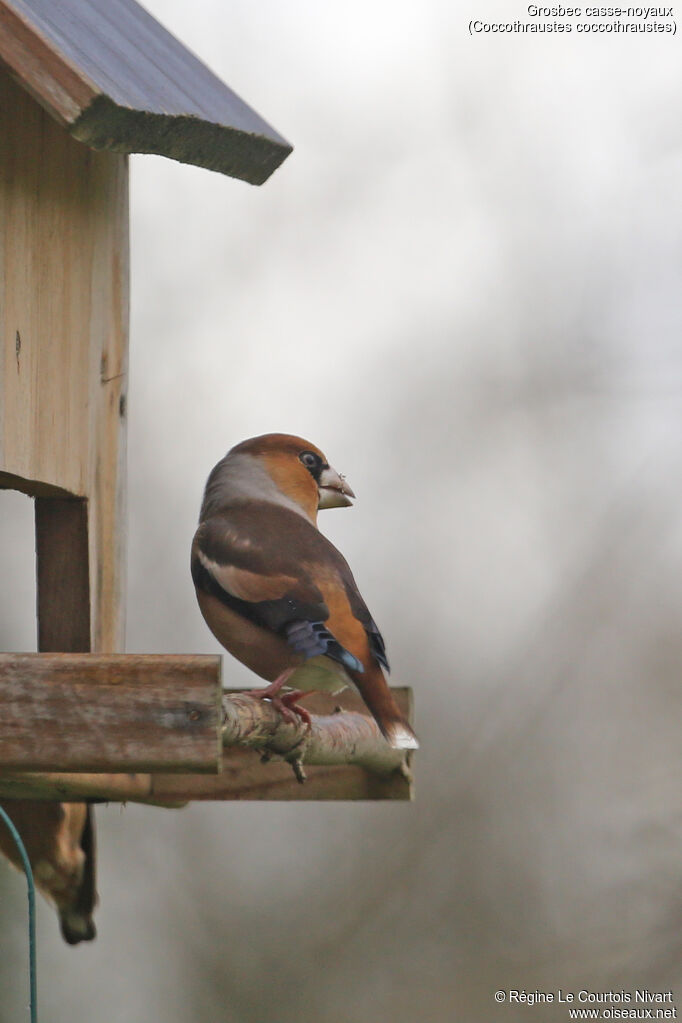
[401,736]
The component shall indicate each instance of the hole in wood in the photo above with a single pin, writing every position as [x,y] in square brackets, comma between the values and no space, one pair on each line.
[17,573]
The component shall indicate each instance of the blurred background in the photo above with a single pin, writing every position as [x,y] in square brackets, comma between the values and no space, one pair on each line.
[464,285]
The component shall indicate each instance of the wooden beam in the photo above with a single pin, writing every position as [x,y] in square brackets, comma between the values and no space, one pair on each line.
[243,778]
[70,712]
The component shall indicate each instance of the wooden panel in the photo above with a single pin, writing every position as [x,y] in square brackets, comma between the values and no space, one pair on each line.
[63,590]
[109,319]
[120,81]
[66,712]
[45,247]
[246,778]
[63,330]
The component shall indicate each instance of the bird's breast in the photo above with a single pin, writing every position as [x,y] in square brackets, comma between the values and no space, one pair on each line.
[268,654]
[262,651]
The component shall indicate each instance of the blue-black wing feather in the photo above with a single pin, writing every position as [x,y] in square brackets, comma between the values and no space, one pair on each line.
[313,639]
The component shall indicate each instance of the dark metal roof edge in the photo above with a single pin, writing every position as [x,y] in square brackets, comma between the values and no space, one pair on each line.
[248,148]
[186,138]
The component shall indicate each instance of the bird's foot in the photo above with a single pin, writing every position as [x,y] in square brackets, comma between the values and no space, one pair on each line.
[272,691]
[289,708]
[286,704]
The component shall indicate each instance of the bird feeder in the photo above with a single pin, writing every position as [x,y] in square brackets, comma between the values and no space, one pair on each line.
[83,83]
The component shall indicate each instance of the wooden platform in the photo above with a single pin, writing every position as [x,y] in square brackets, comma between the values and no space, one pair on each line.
[148,728]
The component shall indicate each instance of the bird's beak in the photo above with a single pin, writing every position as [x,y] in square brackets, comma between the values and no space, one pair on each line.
[333,490]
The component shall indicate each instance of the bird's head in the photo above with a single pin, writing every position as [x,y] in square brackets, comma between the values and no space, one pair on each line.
[298,470]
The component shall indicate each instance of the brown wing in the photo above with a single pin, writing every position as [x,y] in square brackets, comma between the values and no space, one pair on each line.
[275,568]
[247,567]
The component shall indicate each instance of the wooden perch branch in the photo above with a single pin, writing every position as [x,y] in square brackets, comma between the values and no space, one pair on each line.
[343,737]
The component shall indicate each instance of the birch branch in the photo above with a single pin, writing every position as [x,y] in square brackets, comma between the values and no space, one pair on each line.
[345,737]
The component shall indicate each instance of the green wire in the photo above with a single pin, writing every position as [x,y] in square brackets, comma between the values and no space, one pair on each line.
[31,914]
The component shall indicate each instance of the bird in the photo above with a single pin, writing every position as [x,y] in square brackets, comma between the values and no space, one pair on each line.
[59,839]
[276,593]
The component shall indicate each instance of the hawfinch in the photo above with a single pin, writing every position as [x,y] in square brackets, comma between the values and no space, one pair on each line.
[275,592]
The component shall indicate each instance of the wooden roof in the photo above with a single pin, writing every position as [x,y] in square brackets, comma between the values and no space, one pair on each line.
[116,79]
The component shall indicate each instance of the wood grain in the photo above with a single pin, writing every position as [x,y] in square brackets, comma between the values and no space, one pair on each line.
[64,332]
[70,712]
[112,75]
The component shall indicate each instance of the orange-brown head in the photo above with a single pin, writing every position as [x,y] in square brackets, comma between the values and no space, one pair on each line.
[293,467]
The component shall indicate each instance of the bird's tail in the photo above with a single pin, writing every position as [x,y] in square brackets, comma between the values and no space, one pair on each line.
[376,693]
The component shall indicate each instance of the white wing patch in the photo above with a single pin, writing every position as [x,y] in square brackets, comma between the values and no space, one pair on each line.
[245,585]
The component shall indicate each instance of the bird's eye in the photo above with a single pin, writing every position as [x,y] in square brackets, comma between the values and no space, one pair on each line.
[310,459]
